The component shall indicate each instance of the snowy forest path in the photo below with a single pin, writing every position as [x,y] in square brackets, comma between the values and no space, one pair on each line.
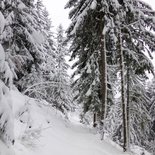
[72,138]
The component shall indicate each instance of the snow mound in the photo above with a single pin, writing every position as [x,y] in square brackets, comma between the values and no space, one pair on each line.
[30,114]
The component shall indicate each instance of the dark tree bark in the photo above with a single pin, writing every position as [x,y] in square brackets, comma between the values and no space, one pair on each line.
[94,120]
[128,102]
[103,76]
[124,114]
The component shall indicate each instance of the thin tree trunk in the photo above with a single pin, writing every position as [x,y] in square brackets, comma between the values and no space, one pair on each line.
[128,103]
[124,112]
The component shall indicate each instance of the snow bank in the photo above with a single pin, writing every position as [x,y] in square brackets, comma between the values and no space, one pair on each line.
[30,114]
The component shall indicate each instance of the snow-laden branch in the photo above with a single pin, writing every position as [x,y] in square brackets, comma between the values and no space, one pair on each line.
[40,83]
[54,84]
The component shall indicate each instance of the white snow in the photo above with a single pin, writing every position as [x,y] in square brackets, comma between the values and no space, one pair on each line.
[116,3]
[38,37]
[2,57]
[4,150]
[35,37]
[89,92]
[88,69]
[2,22]
[93,5]
[8,76]
[42,130]
[6,119]
[9,19]
[51,133]
[21,6]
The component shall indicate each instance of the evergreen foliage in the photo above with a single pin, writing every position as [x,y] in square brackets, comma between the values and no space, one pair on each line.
[61,94]
[127,27]
[111,41]
[6,81]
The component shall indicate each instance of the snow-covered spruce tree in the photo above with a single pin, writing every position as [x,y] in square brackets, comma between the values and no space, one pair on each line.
[25,40]
[135,47]
[133,23]
[134,18]
[41,80]
[49,67]
[6,79]
[139,114]
[16,36]
[151,109]
[89,33]
[61,95]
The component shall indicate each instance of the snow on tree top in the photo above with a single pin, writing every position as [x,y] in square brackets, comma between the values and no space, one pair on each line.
[93,5]
[21,6]
[38,37]
[2,23]
[2,57]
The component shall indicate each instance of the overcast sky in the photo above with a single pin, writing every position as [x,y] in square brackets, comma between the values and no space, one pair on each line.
[59,15]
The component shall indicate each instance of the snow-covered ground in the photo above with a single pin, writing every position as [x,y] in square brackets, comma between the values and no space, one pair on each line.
[40,130]
[49,133]
[64,138]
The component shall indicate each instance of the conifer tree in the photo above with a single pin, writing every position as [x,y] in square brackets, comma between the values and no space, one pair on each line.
[61,93]
[6,81]
[129,23]
[151,108]
[88,21]
[40,77]
[25,39]
[136,55]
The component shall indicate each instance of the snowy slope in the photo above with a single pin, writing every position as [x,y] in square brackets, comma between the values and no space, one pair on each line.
[40,130]
[64,138]
[49,133]
[67,139]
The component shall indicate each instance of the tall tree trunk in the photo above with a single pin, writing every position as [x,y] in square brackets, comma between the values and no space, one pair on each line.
[102,66]
[103,79]
[128,103]
[124,112]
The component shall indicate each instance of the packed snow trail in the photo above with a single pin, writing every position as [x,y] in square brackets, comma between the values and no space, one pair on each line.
[42,130]
[73,139]
[68,138]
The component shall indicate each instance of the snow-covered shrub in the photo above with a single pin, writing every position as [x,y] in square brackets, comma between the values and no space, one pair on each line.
[31,118]
[6,116]
[28,134]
